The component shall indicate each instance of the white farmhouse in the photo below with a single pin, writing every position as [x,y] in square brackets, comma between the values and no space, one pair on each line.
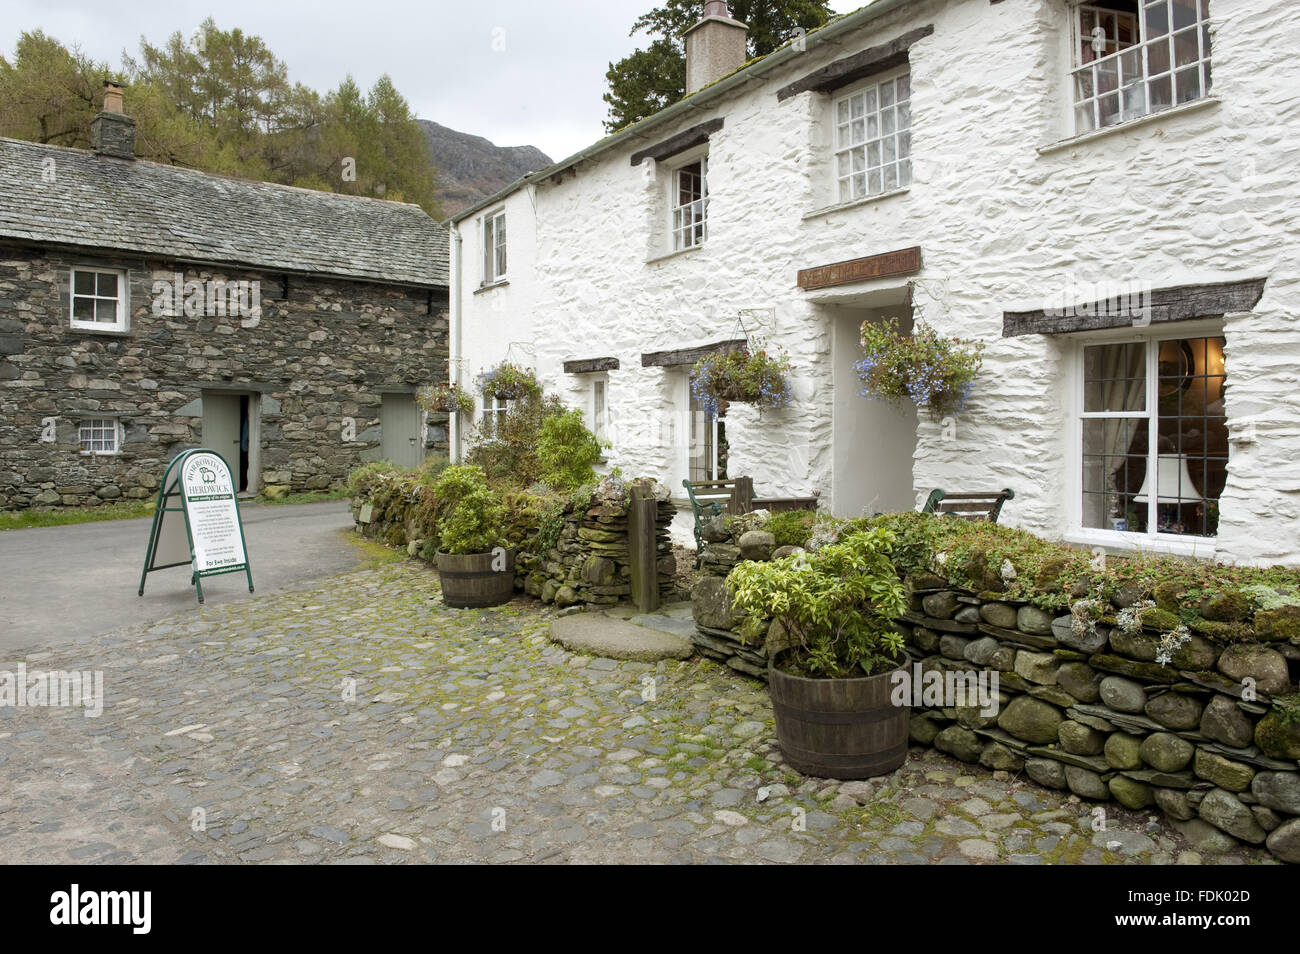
[1104,193]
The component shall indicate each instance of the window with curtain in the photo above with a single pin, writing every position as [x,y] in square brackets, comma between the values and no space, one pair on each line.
[1137,57]
[1154,436]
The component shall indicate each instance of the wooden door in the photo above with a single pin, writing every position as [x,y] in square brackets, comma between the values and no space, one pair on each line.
[400,425]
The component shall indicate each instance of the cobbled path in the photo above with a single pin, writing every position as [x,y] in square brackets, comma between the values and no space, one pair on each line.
[361,721]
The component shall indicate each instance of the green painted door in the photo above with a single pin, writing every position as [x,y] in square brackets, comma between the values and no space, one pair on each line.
[221,423]
[399,424]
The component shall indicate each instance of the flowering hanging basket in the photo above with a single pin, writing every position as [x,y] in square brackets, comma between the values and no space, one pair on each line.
[756,375]
[445,398]
[930,371]
[508,382]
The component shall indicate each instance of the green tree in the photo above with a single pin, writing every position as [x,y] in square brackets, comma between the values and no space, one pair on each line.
[49,94]
[648,80]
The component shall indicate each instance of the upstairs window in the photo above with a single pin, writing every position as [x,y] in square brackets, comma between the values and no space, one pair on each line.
[98,299]
[1137,57]
[873,139]
[690,205]
[494,247]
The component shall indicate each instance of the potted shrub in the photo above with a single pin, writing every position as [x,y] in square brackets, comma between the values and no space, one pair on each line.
[757,376]
[508,382]
[831,688]
[445,398]
[475,566]
[931,371]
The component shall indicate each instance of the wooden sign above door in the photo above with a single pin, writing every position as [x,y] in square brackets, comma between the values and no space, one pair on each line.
[902,262]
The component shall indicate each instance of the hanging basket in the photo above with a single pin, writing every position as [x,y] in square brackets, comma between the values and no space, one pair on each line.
[509,382]
[445,399]
[756,375]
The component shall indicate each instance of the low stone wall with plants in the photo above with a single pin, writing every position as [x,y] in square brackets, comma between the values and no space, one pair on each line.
[589,562]
[571,549]
[1147,681]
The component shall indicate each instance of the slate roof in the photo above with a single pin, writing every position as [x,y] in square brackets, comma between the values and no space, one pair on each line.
[162,210]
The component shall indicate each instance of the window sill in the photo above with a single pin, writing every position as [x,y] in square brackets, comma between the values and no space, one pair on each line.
[89,330]
[1200,547]
[488,286]
[866,200]
[681,251]
[1195,105]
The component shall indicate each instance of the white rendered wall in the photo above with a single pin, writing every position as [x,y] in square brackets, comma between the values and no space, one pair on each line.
[1194,196]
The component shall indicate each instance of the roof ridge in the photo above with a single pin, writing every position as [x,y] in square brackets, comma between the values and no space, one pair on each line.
[91,154]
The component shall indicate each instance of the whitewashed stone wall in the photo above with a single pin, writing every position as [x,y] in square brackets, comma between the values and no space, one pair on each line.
[1197,195]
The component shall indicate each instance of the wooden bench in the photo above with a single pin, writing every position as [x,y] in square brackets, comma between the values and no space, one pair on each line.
[982,505]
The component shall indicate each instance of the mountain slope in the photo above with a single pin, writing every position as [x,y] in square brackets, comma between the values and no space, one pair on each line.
[470,168]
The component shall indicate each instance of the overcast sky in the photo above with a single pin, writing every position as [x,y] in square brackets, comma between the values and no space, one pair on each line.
[520,72]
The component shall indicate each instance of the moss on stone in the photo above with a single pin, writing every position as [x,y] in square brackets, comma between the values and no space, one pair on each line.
[1280,623]
[1169,595]
[1160,620]
[1278,734]
[1221,632]
[1226,606]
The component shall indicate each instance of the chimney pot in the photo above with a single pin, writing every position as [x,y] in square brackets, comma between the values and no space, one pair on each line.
[715,46]
[112,132]
[112,97]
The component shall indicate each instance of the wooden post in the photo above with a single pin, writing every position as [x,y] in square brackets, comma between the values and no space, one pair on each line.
[642,556]
[742,499]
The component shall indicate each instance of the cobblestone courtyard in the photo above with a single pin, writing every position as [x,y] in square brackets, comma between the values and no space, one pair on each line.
[229,735]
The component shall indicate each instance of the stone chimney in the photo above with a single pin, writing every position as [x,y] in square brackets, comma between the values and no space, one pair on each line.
[714,47]
[112,132]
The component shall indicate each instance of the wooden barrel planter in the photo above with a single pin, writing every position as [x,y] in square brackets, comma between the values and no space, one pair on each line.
[838,728]
[469,580]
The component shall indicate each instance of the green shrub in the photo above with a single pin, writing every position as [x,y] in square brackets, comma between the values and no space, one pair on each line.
[791,527]
[506,448]
[837,604]
[362,481]
[566,450]
[472,515]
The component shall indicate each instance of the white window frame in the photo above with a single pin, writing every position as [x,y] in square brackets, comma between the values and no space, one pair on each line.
[495,236]
[495,409]
[1138,70]
[120,310]
[681,238]
[599,407]
[99,427]
[898,138]
[1176,544]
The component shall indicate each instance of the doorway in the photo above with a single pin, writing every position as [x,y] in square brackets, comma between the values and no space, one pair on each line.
[873,441]
[230,429]
[401,427]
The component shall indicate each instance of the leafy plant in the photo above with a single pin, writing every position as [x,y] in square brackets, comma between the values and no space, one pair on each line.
[757,377]
[508,382]
[837,604]
[363,480]
[473,515]
[931,371]
[445,398]
[792,528]
[566,450]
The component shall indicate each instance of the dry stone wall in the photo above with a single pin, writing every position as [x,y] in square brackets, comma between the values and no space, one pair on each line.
[1092,701]
[590,563]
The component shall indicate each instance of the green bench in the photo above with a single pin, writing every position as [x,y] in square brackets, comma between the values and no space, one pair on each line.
[977,505]
[711,498]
